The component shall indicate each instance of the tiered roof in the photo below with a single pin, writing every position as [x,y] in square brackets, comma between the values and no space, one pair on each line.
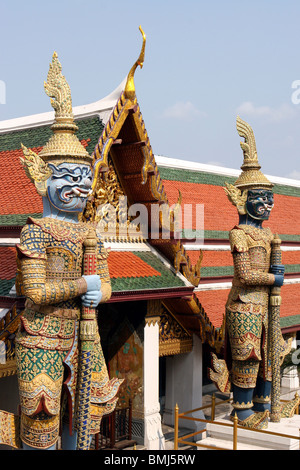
[203,184]
[113,131]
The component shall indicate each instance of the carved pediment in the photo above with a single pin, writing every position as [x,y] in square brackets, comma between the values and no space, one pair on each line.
[173,337]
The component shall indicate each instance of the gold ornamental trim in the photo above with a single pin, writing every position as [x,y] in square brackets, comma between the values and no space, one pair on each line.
[175,347]
[8,368]
[173,337]
[10,429]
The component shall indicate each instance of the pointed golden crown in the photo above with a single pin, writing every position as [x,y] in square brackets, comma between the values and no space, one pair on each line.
[251,176]
[64,145]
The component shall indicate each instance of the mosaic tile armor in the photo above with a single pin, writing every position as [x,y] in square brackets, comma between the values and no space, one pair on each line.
[247,304]
[253,343]
[50,256]
[63,273]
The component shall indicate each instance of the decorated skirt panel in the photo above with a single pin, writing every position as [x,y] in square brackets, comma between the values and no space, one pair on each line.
[247,330]
[45,373]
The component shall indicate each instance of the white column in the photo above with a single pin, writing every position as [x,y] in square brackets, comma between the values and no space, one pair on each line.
[290,378]
[184,387]
[154,438]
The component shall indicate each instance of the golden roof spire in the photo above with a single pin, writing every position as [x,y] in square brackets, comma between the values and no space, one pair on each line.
[130,87]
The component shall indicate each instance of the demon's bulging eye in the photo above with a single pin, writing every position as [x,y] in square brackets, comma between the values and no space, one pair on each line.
[71,178]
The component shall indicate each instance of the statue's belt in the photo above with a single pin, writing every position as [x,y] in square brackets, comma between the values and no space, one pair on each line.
[54,311]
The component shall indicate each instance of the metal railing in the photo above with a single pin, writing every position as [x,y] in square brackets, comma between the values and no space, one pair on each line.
[183,440]
[115,427]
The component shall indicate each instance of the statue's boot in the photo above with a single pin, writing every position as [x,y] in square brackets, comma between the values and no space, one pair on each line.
[243,409]
[68,441]
[262,395]
[261,400]
[288,409]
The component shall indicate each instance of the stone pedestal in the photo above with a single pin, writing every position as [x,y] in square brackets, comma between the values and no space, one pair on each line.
[222,436]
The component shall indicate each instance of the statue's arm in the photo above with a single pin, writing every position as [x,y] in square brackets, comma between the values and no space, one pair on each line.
[248,276]
[42,291]
[32,264]
[241,260]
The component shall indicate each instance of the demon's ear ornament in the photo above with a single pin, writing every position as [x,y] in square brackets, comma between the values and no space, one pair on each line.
[237,197]
[36,169]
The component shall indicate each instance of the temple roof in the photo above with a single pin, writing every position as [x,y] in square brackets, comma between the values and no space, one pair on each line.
[115,123]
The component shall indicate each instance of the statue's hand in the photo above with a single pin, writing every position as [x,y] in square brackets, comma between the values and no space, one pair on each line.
[278,280]
[91,298]
[93,282]
[93,295]
[277,269]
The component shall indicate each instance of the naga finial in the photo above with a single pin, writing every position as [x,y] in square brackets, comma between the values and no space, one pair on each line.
[129,87]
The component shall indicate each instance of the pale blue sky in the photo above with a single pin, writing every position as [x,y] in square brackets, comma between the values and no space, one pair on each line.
[206,62]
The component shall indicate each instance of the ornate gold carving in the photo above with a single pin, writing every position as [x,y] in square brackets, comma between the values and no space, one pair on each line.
[9,429]
[237,197]
[8,326]
[36,169]
[183,262]
[173,337]
[219,374]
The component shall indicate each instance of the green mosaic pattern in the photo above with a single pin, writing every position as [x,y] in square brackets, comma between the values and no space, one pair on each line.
[90,128]
[290,321]
[167,279]
[197,177]
[17,219]
[6,285]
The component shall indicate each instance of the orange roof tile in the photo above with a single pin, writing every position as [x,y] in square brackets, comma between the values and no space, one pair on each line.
[219,214]
[8,262]
[18,194]
[127,264]
[224,258]
[213,302]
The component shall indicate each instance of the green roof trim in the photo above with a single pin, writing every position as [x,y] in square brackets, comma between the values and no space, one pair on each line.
[17,219]
[88,128]
[6,285]
[216,271]
[225,271]
[212,179]
[168,278]
[290,321]
[194,235]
